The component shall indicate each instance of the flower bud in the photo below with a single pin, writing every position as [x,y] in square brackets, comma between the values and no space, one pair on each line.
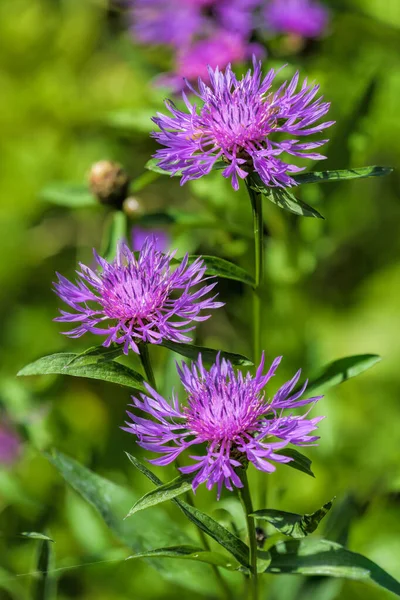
[132,207]
[109,182]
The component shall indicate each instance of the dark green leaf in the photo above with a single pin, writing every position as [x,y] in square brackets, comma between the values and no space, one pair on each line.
[283,198]
[139,534]
[292,524]
[45,583]
[341,175]
[311,556]
[98,354]
[162,493]
[208,354]
[68,194]
[66,363]
[225,269]
[115,231]
[192,553]
[152,165]
[342,369]
[34,535]
[225,538]
[299,462]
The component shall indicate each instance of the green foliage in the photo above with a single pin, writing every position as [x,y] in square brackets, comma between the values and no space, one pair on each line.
[208,354]
[192,553]
[292,524]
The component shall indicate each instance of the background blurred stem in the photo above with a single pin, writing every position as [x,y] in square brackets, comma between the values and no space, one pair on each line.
[146,364]
[245,498]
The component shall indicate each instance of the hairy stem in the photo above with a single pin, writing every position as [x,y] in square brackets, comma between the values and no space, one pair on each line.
[247,504]
[256,205]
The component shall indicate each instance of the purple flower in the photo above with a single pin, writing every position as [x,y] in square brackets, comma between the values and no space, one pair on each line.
[170,22]
[137,300]
[307,18]
[237,123]
[231,415]
[236,16]
[139,236]
[10,445]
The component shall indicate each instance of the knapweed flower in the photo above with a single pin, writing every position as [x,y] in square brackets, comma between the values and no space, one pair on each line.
[229,414]
[133,300]
[238,124]
[139,235]
[306,18]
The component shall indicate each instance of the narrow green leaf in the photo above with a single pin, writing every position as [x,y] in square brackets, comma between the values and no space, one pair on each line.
[341,370]
[162,493]
[299,462]
[66,363]
[283,198]
[34,535]
[98,354]
[311,556]
[225,269]
[341,175]
[152,165]
[209,355]
[112,502]
[225,538]
[292,524]
[115,231]
[45,584]
[192,553]
[68,194]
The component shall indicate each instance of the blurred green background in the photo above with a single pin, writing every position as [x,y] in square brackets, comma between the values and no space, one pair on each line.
[75,89]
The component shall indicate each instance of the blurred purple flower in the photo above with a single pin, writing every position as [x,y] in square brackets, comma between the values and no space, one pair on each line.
[236,124]
[141,300]
[236,16]
[10,445]
[307,18]
[230,414]
[139,235]
[170,22]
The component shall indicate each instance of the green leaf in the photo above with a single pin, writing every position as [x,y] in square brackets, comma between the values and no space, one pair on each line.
[341,370]
[162,493]
[115,231]
[34,535]
[225,538]
[152,165]
[341,175]
[283,198]
[299,462]
[68,194]
[209,355]
[67,363]
[192,553]
[292,524]
[311,556]
[225,269]
[112,501]
[45,584]
[98,354]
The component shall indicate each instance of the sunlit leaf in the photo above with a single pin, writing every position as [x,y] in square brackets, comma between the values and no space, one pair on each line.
[341,175]
[208,355]
[68,194]
[162,493]
[299,462]
[192,553]
[225,269]
[311,556]
[67,363]
[225,538]
[34,535]
[292,524]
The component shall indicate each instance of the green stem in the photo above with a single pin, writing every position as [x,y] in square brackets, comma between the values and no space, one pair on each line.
[256,205]
[146,364]
[204,540]
[247,504]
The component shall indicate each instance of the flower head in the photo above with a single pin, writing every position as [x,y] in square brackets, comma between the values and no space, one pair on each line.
[141,299]
[237,123]
[231,415]
[307,18]
[139,235]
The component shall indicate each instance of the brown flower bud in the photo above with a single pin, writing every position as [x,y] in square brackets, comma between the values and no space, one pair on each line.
[109,182]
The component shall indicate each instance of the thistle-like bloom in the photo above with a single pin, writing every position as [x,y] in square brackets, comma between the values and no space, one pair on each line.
[238,123]
[230,414]
[139,235]
[307,18]
[143,299]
